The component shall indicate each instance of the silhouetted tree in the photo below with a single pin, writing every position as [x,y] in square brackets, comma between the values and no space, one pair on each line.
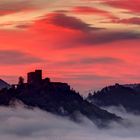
[21,80]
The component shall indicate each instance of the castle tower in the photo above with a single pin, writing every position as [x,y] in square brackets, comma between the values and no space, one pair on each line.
[38,75]
[34,77]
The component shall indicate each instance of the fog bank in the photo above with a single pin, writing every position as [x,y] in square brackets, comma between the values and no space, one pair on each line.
[24,124]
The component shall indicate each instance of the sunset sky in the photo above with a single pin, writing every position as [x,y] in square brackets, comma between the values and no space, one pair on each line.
[87,43]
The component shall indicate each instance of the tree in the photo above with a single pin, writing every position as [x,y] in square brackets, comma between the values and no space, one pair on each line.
[21,80]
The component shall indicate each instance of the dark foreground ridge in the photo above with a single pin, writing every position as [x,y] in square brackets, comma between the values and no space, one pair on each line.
[54,97]
[127,96]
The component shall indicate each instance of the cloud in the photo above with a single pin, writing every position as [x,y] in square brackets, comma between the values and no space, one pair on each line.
[134,20]
[107,37]
[20,123]
[90,61]
[69,22]
[11,57]
[9,7]
[92,10]
[23,26]
[64,31]
[125,4]
[100,60]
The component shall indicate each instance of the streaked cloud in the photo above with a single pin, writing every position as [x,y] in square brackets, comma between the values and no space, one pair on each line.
[134,20]
[11,57]
[90,61]
[92,10]
[125,4]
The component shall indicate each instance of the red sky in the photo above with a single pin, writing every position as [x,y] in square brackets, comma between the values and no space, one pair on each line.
[87,43]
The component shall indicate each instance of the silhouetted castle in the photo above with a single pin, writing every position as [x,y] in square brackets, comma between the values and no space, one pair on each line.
[35,78]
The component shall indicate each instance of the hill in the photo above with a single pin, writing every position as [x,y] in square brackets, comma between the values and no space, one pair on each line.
[3,84]
[55,97]
[127,96]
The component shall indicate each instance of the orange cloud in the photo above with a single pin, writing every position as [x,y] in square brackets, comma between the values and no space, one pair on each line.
[92,10]
[133,20]
[129,5]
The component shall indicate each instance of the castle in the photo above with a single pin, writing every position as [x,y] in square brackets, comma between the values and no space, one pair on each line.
[35,79]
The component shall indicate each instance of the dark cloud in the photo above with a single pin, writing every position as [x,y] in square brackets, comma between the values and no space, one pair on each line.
[101,60]
[88,35]
[23,26]
[8,7]
[69,22]
[11,57]
[102,37]
[91,61]
[99,37]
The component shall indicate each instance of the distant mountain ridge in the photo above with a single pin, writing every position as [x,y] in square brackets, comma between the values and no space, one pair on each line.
[127,95]
[136,87]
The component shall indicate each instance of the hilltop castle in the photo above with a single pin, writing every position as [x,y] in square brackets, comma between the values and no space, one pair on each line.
[35,79]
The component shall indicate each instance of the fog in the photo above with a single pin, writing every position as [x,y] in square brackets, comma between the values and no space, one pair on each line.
[20,123]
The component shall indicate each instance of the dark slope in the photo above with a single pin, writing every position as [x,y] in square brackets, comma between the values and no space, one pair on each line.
[57,100]
[3,84]
[127,96]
